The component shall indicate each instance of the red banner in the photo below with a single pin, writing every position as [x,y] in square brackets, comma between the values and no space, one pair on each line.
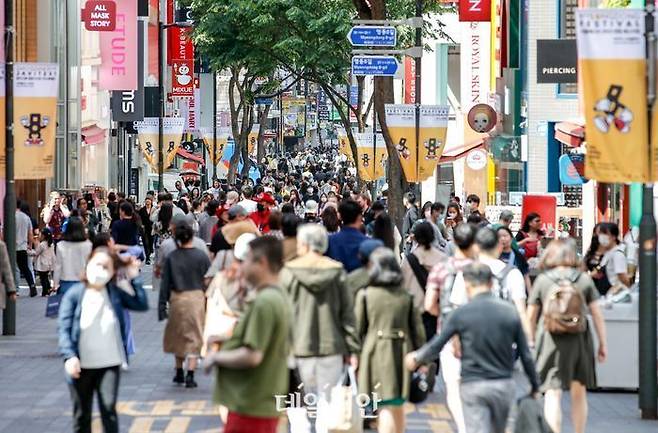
[182,78]
[409,80]
[180,44]
[546,207]
[475,10]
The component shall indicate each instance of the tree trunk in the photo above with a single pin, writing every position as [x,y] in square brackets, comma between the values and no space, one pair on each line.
[235,125]
[260,146]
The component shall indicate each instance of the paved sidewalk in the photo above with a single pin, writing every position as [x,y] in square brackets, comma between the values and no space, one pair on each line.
[35,398]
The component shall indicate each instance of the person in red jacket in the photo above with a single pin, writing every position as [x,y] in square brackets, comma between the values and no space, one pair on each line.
[261,217]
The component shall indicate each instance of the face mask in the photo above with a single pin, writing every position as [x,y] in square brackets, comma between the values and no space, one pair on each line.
[323,199]
[604,240]
[97,275]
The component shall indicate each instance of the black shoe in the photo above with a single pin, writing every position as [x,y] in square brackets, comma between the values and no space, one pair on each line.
[33,292]
[179,379]
[148,261]
[189,380]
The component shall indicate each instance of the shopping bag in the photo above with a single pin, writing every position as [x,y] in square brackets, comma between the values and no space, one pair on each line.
[343,414]
[530,417]
[220,321]
[52,305]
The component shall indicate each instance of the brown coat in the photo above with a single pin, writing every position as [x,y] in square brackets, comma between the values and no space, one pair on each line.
[7,285]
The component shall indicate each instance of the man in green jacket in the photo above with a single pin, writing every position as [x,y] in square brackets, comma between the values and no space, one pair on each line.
[324,334]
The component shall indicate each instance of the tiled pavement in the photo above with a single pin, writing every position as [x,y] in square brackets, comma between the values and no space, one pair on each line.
[34,398]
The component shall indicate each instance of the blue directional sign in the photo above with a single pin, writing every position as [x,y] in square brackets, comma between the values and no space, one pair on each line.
[373,36]
[263,101]
[383,66]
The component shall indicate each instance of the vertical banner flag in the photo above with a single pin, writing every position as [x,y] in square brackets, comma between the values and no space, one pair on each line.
[128,105]
[372,159]
[401,121]
[118,69]
[433,133]
[252,139]
[35,120]
[2,118]
[409,80]
[223,135]
[147,130]
[611,49]
[474,10]
[182,78]
[344,144]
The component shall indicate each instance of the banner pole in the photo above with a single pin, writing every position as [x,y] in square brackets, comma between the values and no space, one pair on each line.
[648,394]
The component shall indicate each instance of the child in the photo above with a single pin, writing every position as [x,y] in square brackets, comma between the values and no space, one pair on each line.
[44,260]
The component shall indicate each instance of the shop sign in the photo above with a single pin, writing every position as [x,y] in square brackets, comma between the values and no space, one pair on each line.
[482,118]
[546,207]
[100,15]
[118,69]
[572,169]
[475,10]
[477,159]
[128,105]
[409,80]
[557,61]
[182,78]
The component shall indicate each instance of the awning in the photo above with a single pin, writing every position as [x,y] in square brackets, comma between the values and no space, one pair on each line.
[570,133]
[93,135]
[187,155]
[454,152]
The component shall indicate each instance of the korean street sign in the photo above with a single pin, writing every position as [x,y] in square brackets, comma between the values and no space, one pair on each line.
[382,66]
[373,36]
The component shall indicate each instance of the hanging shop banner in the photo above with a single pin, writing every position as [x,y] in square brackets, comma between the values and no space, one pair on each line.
[433,133]
[372,159]
[418,163]
[128,105]
[474,10]
[571,169]
[181,46]
[611,49]
[223,135]
[344,144]
[182,78]
[148,139]
[35,120]
[191,111]
[409,80]
[118,69]
[252,139]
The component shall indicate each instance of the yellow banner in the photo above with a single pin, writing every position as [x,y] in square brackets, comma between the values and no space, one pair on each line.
[418,163]
[344,144]
[252,139]
[35,120]
[611,48]
[223,135]
[148,139]
[372,159]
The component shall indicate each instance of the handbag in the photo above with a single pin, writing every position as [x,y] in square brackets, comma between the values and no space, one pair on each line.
[422,384]
[52,305]
[220,321]
[342,413]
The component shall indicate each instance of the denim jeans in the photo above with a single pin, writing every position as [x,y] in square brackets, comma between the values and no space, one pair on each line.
[104,382]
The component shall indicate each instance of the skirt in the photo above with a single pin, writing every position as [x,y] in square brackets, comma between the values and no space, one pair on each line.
[183,334]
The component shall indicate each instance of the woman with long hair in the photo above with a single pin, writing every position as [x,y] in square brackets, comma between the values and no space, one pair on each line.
[92,340]
[385,230]
[182,302]
[530,235]
[330,219]
[390,326]
[71,255]
[453,219]
[565,361]
[606,260]
[297,203]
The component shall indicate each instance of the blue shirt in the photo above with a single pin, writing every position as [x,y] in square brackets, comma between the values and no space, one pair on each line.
[344,247]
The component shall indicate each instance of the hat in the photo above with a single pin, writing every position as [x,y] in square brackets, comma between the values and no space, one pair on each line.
[236,211]
[264,197]
[368,246]
[241,247]
[311,207]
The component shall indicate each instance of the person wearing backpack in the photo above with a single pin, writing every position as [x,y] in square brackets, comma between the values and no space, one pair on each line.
[416,267]
[564,343]
[508,283]
[445,291]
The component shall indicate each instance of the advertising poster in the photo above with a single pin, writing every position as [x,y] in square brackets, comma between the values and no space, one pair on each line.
[35,120]
[611,49]
[252,139]
[223,135]
[546,207]
[148,139]
[372,159]
[118,69]
[433,134]
[344,144]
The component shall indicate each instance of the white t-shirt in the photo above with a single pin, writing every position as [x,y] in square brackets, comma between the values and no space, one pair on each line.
[249,205]
[100,337]
[615,263]
[513,283]
[632,242]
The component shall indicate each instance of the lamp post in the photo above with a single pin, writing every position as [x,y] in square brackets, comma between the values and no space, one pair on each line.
[161,28]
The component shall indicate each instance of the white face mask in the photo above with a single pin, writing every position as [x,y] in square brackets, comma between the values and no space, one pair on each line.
[604,240]
[97,275]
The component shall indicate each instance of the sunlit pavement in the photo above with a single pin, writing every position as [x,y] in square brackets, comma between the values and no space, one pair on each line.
[35,398]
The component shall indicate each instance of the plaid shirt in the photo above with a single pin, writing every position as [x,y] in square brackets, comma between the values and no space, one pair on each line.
[440,272]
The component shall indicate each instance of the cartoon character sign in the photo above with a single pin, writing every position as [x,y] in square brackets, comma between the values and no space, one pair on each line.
[611,112]
[183,77]
[34,123]
[482,118]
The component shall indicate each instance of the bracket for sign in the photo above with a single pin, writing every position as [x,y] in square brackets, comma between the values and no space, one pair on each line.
[415,22]
[415,52]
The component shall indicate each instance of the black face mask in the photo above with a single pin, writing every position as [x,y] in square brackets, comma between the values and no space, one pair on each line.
[260,207]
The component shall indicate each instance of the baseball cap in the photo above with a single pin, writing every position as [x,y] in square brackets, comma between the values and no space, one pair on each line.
[264,197]
[241,247]
[236,211]
[311,207]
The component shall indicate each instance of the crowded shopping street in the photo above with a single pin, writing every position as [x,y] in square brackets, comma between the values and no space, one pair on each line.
[345,216]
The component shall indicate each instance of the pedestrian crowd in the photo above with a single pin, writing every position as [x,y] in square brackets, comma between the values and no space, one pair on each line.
[302,278]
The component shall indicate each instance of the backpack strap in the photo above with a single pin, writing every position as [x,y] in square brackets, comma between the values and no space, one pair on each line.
[419,270]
